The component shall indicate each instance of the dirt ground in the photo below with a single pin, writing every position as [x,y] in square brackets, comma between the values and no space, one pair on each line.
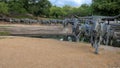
[24,52]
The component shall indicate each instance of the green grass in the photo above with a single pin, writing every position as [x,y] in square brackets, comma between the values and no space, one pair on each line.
[4,33]
[22,16]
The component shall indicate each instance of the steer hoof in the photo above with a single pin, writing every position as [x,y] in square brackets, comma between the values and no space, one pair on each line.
[96,53]
[92,44]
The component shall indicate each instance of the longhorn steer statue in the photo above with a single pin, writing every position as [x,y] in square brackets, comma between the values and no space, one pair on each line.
[96,36]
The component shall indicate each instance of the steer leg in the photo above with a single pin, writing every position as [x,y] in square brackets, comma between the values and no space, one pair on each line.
[96,47]
[111,41]
[77,38]
[98,41]
[107,41]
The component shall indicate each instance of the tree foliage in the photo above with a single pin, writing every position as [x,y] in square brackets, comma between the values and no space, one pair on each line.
[3,8]
[35,7]
[15,7]
[44,8]
[106,7]
[84,10]
[56,12]
[67,11]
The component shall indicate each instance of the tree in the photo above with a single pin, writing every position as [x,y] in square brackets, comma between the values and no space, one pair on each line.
[25,4]
[67,10]
[85,10]
[56,12]
[34,7]
[16,7]
[3,8]
[106,7]
[44,7]
[40,7]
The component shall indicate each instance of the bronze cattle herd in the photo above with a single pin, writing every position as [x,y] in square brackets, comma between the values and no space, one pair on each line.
[96,29]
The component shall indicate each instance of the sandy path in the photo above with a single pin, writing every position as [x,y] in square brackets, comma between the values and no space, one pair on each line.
[23,52]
